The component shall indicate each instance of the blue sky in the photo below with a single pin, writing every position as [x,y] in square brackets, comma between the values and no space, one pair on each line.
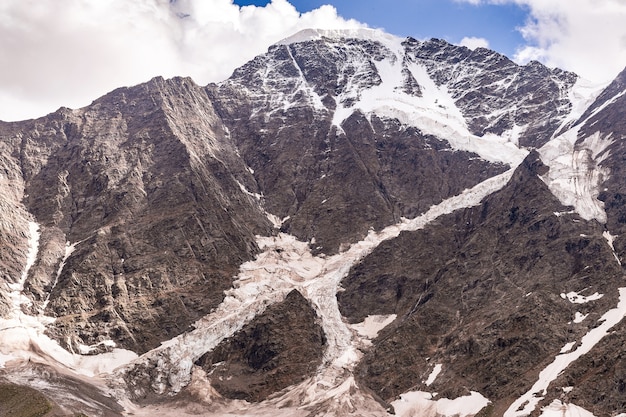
[424,19]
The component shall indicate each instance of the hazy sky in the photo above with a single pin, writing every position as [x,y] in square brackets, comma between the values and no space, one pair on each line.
[69,52]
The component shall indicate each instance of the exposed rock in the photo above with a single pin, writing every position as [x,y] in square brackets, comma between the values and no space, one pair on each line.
[496,95]
[479,291]
[277,349]
[146,184]
[334,183]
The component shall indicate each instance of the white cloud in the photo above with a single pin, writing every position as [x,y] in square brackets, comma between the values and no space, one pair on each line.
[68,53]
[473,42]
[584,36]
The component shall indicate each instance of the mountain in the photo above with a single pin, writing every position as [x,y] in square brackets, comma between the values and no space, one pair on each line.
[351,224]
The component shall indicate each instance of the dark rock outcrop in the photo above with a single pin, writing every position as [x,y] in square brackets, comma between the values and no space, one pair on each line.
[277,349]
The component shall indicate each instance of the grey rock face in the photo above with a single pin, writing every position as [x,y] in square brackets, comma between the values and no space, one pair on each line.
[145,183]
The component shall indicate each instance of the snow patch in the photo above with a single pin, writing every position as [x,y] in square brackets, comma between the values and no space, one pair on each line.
[275,220]
[370,327]
[575,298]
[610,239]
[579,317]
[243,189]
[433,375]
[559,409]
[568,347]
[418,403]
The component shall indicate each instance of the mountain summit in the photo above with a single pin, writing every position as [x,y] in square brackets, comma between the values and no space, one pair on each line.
[351,224]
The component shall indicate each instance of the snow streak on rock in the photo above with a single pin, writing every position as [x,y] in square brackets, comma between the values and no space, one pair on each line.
[527,403]
[609,240]
[16,296]
[69,249]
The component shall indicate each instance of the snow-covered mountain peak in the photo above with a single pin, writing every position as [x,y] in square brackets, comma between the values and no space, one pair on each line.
[375,35]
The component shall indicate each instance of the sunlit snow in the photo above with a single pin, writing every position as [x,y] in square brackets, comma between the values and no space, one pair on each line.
[575,298]
[527,403]
[422,404]
[559,409]
[579,317]
[434,374]
[370,327]
[434,112]
[69,249]
[610,239]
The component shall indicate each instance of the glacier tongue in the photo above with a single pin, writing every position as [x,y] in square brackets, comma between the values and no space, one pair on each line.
[575,172]
[287,264]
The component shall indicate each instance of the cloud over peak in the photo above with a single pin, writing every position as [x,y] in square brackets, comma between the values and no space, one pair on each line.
[584,36]
[69,53]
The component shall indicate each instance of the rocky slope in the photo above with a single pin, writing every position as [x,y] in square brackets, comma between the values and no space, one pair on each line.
[348,224]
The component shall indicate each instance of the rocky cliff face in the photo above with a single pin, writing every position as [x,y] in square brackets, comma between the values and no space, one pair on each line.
[346,225]
[152,210]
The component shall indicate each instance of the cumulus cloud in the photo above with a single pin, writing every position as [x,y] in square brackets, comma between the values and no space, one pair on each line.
[584,36]
[68,53]
[473,42]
